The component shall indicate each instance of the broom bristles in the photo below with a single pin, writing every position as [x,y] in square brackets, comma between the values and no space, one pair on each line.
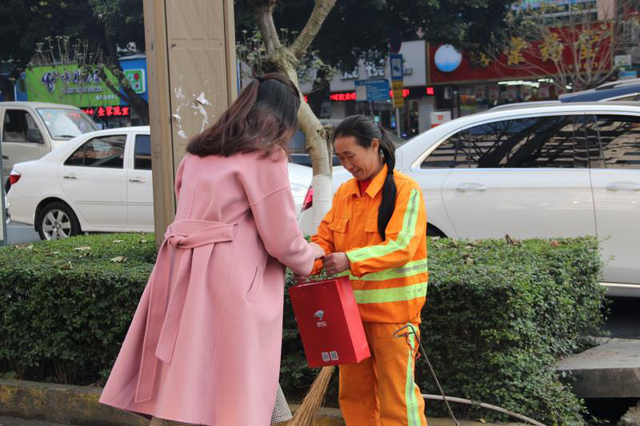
[306,412]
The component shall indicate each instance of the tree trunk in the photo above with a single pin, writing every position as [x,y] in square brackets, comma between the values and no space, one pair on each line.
[318,148]
[135,101]
[286,60]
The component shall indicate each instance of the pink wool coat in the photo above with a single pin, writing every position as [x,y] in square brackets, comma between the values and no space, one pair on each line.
[204,344]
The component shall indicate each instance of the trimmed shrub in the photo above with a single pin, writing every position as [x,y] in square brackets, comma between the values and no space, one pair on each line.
[497,318]
[66,305]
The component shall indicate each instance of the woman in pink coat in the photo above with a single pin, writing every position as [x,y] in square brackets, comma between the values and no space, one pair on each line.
[204,345]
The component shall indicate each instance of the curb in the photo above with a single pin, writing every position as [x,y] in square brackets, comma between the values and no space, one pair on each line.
[78,405]
[66,404]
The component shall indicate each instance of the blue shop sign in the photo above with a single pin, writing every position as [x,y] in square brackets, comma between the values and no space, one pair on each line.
[372,90]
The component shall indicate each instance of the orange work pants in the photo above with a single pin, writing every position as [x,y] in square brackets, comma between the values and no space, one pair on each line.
[381,391]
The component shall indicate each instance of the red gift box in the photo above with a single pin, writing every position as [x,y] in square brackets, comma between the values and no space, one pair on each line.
[329,322]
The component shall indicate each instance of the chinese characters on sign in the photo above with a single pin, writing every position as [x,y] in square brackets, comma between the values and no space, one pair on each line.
[351,96]
[115,111]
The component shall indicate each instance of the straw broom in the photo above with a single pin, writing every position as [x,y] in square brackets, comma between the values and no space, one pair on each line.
[306,412]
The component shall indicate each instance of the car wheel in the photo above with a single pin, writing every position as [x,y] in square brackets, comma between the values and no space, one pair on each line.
[56,221]
[432,231]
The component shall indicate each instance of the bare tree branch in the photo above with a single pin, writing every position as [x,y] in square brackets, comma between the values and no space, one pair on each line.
[587,40]
[320,12]
[264,17]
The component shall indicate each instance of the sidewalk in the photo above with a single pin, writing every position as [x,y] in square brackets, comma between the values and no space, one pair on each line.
[12,421]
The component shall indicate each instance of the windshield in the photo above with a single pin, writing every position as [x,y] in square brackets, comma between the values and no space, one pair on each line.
[66,123]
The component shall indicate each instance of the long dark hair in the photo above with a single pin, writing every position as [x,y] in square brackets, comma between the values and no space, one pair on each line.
[365,130]
[264,117]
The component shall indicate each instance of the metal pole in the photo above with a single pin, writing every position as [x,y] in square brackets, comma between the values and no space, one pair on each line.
[399,133]
[3,226]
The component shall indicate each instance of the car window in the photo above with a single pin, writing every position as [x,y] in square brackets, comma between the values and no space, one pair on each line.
[31,125]
[445,155]
[62,123]
[14,128]
[619,142]
[104,151]
[142,156]
[522,143]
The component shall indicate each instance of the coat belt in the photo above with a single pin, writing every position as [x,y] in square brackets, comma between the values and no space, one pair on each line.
[164,309]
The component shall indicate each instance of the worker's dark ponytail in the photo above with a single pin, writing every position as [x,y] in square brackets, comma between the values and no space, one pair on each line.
[389,190]
[365,130]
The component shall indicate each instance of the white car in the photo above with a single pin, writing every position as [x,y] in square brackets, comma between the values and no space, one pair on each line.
[98,182]
[31,130]
[561,170]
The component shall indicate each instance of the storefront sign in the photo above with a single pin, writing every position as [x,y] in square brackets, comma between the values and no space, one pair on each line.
[372,90]
[528,60]
[115,111]
[414,92]
[447,58]
[352,75]
[622,61]
[439,117]
[137,80]
[397,68]
[625,75]
[67,84]
[414,64]
[398,92]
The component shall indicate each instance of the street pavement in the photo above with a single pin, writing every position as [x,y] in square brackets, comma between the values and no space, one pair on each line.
[623,321]
[11,421]
[18,233]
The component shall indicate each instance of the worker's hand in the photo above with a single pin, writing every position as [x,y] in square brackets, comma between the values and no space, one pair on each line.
[317,250]
[336,262]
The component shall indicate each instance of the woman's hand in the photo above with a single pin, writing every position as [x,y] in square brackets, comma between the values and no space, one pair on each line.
[336,262]
[318,251]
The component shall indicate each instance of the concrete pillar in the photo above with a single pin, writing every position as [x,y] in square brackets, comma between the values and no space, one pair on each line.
[191,63]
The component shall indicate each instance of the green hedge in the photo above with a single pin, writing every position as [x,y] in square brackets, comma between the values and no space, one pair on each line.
[66,305]
[497,317]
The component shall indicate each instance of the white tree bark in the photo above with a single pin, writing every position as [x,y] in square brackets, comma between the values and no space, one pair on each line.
[318,149]
[286,60]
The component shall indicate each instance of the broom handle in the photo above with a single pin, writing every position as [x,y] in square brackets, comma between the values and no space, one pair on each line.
[433,373]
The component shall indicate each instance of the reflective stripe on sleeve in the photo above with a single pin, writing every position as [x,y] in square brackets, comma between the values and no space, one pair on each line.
[402,241]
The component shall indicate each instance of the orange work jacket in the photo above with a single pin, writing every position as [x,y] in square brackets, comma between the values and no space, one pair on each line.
[389,277]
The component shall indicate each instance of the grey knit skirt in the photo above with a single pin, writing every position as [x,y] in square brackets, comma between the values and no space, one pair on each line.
[281,413]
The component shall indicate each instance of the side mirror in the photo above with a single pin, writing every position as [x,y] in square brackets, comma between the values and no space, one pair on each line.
[34,135]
